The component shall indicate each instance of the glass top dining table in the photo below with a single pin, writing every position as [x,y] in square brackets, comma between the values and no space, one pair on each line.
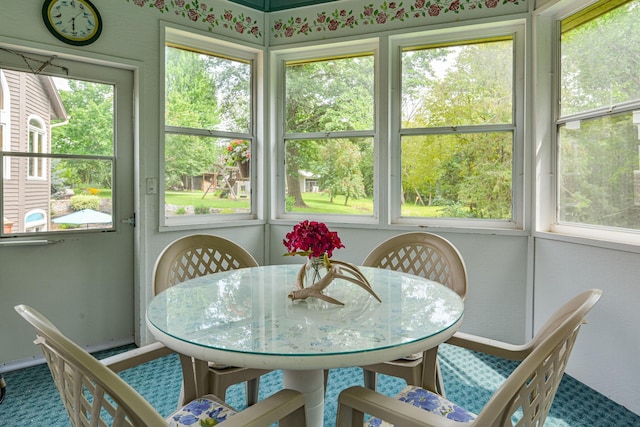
[244,318]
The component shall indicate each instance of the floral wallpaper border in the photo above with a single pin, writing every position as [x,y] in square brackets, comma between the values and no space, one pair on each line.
[197,11]
[384,13]
[371,14]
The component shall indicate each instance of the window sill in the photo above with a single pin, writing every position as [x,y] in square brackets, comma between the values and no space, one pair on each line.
[616,241]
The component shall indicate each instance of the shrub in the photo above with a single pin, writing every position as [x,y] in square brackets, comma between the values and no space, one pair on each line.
[290,201]
[201,210]
[83,201]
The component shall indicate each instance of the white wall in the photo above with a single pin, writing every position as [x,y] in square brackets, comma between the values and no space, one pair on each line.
[606,352]
[500,301]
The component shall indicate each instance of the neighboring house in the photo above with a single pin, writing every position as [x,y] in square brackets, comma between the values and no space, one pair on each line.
[28,104]
[308,181]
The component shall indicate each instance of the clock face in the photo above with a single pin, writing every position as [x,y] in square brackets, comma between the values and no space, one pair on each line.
[75,22]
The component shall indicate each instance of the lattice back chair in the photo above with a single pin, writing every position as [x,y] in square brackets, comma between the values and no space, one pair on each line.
[422,254]
[94,395]
[199,255]
[523,399]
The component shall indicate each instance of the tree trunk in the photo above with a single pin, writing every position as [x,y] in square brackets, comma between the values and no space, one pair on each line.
[293,189]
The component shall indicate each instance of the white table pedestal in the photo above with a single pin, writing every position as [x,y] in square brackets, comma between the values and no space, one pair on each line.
[311,384]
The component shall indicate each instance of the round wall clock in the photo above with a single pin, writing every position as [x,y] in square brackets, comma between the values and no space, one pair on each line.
[76,22]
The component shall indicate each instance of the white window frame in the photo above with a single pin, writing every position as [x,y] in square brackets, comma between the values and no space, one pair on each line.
[5,124]
[208,43]
[38,136]
[547,95]
[279,58]
[519,221]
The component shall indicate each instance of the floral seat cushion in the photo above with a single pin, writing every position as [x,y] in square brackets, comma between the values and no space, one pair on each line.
[205,411]
[428,401]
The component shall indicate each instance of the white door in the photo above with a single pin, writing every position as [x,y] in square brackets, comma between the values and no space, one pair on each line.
[66,247]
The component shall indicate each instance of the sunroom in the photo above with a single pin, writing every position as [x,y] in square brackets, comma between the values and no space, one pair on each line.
[510,128]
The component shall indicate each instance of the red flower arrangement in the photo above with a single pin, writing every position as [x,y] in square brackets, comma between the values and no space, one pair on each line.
[312,239]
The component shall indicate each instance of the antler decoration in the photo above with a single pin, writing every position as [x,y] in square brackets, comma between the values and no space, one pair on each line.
[338,270]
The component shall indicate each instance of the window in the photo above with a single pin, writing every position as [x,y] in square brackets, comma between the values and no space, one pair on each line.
[37,145]
[598,137]
[209,140]
[460,143]
[62,154]
[329,133]
[35,220]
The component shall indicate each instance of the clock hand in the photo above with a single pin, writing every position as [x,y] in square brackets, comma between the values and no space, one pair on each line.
[77,14]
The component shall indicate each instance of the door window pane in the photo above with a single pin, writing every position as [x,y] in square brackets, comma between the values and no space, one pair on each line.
[61,156]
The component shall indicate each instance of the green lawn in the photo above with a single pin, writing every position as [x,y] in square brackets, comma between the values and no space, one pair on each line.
[316,202]
[211,200]
[319,203]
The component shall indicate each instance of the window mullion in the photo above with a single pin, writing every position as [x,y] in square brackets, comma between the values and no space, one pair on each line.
[456,129]
[324,135]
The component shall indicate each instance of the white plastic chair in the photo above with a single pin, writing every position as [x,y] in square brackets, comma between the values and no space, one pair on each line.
[94,395]
[523,400]
[422,254]
[199,255]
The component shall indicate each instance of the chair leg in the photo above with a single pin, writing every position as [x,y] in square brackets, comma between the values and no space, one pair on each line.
[370,379]
[326,380]
[252,391]
[439,381]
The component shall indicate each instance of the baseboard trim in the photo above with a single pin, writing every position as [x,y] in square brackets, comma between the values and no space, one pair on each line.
[39,360]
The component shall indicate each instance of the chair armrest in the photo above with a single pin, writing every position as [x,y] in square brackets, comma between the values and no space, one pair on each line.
[135,357]
[286,406]
[356,401]
[493,347]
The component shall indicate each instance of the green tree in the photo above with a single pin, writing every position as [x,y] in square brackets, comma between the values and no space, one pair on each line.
[193,91]
[470,169]
[89,131]
[600,68]
[334,95]
[339,170]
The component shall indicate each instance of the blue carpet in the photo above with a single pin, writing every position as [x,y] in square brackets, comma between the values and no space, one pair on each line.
[470,380]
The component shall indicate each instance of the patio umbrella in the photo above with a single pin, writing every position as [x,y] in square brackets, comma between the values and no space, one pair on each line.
[84,216]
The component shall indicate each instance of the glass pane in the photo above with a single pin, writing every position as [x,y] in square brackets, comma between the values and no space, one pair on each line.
[88,126]
[457,175]
[599,164]
[207,92]
[458,85]
[76,195]
[330,95]
[206,175]
[51,116]
[330,176]
[599,62]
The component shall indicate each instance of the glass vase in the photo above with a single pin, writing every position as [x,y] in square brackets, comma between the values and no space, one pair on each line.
[315,271]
